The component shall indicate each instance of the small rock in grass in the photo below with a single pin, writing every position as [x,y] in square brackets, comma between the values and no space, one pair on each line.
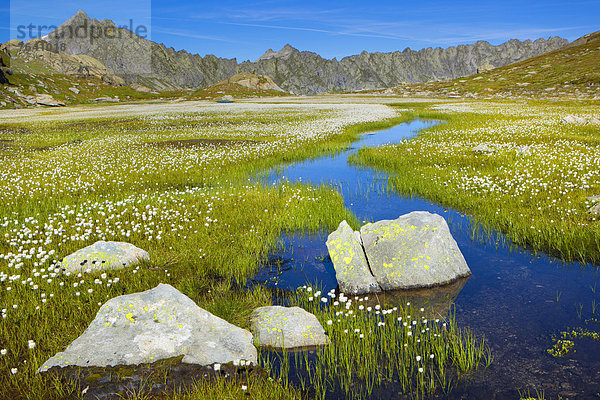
[286,328]
[104,256]
[523,150]
[483,148]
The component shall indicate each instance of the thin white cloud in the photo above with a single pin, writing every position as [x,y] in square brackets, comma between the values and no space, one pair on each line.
[333,32]
[187,34]
[504,34]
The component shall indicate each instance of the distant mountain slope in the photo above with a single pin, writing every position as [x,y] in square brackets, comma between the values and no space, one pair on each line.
[138,60]
[309,73]
[33,75]
[573,70]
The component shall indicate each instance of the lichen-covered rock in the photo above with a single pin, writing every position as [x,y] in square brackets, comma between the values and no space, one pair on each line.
[351,268]
[415,250]
[595,209]
[286,328]
[157,324]
[103,256]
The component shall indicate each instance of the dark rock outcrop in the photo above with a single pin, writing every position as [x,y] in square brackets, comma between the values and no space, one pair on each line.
[4,67]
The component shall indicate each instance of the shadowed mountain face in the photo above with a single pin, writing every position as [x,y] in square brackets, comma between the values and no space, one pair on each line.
[139,60]
[4,66]
[570,71]
[136,59]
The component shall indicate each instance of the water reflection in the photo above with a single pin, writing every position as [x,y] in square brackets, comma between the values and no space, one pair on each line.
[516,298]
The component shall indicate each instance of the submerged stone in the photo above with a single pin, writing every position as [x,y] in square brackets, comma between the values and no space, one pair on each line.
[103,256]
[157,324]
[286,328]
[415,250]
[160,379]
[351,267]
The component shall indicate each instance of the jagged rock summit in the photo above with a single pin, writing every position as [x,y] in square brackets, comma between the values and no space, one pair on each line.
[284,53]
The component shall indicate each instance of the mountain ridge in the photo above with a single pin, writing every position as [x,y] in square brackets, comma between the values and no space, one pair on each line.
[573,71]
[140,61]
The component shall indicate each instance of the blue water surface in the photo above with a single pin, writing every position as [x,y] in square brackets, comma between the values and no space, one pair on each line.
[517,299]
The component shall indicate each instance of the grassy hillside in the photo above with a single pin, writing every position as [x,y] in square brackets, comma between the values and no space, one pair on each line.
[518,167]
[32,77]
[38,73]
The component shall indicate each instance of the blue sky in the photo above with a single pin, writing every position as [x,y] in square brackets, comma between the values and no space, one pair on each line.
[246,29]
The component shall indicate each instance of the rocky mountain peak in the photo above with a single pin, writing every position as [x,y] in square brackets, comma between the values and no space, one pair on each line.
[79,18]
[284,53]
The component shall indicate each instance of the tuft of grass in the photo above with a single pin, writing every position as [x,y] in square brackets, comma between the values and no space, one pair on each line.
[399,347]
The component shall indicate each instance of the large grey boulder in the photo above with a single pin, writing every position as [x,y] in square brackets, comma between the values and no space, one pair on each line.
[103,256]
[415,250]
[157,324]
[351,267]
[286,328]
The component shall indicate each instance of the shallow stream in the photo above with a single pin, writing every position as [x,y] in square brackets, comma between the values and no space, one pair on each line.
[517,299]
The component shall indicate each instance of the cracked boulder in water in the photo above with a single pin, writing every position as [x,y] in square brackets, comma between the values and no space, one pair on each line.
[286,328]
[415,250]
[351,267]
[157,324]
[104,256]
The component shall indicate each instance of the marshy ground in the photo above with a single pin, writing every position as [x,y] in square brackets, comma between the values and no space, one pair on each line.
[183,181]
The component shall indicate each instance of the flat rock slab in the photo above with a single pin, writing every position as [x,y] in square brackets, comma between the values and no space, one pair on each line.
[157,324]
[103,256]
[351,267]
[415,250]
[286,328]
